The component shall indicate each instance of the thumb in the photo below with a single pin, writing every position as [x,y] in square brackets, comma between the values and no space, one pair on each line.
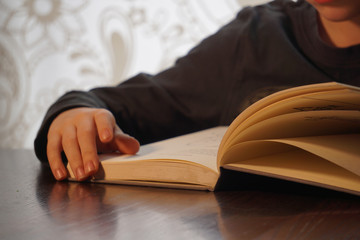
[125,143]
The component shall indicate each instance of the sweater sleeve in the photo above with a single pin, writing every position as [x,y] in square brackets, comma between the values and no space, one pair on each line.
[189,96]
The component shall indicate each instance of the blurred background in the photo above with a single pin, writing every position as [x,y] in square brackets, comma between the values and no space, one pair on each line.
[48,47]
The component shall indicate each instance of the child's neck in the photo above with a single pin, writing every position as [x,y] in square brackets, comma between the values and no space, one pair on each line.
[340,34]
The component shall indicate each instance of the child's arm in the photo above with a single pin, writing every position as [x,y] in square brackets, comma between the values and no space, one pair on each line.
[81,133]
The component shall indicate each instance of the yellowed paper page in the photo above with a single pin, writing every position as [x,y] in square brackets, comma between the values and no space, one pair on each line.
[299,124]
[187,162]
[345,99]
[330,96]
[342,150]
[196,148]
[301,166]
[279,96]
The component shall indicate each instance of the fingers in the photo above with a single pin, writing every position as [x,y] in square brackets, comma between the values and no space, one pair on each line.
[72,151]
[105,124]
[54,150]
[86,135]
[75,135]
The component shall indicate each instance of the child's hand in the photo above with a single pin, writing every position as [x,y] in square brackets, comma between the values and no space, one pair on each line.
[81,133]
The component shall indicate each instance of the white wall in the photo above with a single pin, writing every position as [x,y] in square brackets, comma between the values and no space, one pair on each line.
[48,47]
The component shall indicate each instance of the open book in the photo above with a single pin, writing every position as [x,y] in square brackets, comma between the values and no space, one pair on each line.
[308,134]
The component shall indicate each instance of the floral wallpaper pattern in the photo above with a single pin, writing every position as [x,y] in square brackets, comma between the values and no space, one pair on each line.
[48,47]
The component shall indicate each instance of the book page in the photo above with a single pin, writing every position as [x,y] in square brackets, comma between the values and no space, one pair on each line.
[196,148]
[300,124]
[342,150]
[315,97]
[279,96]
[301,166]
[344,99]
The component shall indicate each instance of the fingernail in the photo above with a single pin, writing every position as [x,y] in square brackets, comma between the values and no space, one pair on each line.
[80,174]
[105,134]
[90,168]
[59,175]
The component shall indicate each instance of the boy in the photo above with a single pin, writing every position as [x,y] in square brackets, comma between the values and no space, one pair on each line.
[264,49]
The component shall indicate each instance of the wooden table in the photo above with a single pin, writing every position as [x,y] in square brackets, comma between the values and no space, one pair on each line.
[35,206]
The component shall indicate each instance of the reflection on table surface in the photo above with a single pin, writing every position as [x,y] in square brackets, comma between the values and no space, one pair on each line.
[35,206]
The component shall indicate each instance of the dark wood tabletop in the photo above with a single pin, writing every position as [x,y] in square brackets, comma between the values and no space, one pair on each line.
[35,206]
